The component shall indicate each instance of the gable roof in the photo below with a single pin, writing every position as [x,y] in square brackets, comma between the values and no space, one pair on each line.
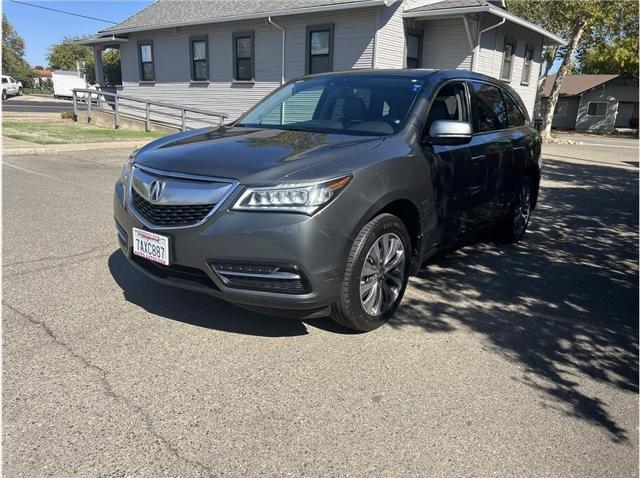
[450,4]
[574,85]
[172,13]
[446,8]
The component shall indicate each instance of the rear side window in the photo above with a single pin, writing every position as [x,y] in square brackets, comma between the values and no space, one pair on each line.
[489,110]
[4,80]
[515,117]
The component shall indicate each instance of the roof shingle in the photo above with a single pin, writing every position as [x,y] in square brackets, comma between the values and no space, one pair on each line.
[166,13]
[573,85]
[446,4]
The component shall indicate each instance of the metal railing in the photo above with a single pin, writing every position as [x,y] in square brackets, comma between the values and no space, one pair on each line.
[138,108]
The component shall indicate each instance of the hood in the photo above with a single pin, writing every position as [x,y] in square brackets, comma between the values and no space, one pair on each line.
[249,155]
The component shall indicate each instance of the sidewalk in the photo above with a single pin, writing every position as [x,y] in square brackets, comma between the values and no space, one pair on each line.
[15,147]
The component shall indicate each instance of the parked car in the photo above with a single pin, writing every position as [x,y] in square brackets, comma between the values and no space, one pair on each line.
[330,192]
[10,87]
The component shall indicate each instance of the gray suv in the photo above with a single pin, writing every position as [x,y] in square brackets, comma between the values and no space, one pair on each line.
[330,192]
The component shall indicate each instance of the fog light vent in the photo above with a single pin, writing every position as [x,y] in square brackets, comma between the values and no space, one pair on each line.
[262,278]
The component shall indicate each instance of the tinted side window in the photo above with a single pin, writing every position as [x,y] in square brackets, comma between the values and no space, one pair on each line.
[489,111]
[515,117]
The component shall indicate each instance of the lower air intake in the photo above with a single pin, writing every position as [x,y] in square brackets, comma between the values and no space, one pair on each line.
[262,278]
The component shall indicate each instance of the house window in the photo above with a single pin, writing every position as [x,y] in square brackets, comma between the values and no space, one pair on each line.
[526,66]
[243,56]
[507,59]
[561,108]
[199,49]
[145,50]
[320,48]
[597,108]
[414,48]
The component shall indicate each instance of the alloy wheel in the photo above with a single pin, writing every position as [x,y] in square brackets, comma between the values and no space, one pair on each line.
[382,274]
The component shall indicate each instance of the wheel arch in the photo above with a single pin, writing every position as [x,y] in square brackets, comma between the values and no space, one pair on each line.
[404,209]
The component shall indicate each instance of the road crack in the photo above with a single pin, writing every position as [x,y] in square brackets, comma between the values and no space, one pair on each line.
[108,388]
[67,256]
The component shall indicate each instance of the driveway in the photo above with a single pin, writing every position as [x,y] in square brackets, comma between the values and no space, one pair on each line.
[516,360]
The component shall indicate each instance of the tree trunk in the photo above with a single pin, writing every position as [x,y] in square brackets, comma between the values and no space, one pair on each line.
[576,35]
[549,57]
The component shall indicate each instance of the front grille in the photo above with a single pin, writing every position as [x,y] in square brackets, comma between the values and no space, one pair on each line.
[173,215]
[175,271]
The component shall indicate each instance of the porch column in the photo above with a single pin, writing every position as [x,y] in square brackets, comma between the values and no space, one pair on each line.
[97,55]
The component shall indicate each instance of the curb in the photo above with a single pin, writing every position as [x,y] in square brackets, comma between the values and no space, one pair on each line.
[65,148]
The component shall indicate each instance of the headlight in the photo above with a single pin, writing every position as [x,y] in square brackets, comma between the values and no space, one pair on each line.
[304,198]
[125,173]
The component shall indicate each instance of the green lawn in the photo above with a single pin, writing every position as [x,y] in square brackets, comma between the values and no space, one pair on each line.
[61,132]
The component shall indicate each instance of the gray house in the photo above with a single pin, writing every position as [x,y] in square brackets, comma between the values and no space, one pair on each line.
[225,55]
[595,103]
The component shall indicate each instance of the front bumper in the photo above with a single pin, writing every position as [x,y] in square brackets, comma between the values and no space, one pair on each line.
[315,247]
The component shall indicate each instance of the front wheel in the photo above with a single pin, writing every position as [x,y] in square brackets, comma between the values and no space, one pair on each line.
[376,275]
[515,224]
[20,91]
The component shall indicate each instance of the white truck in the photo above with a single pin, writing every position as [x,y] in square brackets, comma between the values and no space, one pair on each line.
[65,81]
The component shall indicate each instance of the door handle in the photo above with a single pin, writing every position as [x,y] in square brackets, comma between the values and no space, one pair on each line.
[482,156]
[518,148]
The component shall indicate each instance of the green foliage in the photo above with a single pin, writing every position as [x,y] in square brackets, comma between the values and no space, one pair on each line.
[619,56]
[66,54]
[110,68]
[13,62]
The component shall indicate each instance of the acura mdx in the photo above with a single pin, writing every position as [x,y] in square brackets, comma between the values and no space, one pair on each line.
[329,193]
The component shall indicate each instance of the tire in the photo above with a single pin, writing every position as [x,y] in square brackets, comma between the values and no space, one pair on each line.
[514,226]
[20,91]
[4,95]
[352,310]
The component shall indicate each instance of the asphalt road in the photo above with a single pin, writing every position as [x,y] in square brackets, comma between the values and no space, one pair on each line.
[16,105]
[516,360]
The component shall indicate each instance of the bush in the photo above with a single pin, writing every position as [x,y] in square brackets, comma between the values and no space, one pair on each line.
[67,115]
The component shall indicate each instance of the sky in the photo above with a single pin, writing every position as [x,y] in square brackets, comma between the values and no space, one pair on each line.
[41,28]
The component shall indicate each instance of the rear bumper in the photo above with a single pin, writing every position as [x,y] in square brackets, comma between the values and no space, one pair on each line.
[312,246]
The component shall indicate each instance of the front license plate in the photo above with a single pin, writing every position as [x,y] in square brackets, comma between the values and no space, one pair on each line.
[151,246]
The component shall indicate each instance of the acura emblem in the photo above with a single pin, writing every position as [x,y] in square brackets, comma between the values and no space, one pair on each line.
[155,191]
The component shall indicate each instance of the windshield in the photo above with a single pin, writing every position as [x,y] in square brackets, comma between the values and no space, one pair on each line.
[349,104]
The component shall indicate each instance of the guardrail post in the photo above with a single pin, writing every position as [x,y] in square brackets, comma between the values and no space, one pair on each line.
[184,119]
[117,116]
[88,99]
[75,106]
[147,117]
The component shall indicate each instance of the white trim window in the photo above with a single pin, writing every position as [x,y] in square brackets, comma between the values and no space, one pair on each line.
[508,52]
[561,108]
[597,108]
[526,65]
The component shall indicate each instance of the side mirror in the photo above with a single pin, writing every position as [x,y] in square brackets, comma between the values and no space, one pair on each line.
[449,132]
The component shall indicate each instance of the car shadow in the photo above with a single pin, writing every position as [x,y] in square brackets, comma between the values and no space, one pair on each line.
[202,310]
[563,302]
